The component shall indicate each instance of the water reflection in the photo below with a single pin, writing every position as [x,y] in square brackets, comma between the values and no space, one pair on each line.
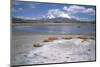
[83,29]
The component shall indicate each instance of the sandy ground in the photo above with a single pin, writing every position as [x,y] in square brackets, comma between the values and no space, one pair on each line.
[58,51]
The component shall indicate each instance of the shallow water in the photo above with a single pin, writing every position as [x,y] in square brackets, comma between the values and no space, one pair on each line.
[82,29]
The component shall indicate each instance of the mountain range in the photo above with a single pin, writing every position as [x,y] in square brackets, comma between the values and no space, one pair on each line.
[53,20]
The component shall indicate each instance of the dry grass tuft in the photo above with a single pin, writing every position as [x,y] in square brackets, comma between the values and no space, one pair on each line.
[82,37]
[46,41]
[68,38]
[52,38]
[37,45]
[93,38]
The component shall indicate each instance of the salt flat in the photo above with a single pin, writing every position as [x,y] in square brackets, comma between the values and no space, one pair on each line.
[58,51]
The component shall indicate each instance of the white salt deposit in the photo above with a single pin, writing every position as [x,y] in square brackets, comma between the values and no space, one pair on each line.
[58,51]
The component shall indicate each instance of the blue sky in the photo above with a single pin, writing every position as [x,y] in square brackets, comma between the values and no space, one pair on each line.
[35,10]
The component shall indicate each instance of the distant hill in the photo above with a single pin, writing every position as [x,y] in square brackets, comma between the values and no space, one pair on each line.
[46,20]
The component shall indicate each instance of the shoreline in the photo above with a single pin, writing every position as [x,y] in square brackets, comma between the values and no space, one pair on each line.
[43,33]
[22,40]
[51,24]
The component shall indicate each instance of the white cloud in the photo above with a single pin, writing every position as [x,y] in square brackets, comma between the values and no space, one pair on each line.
[89,11]
[81,18]
[73,9]
[17,10]
[68,12]
[28,18]
[15,3]
[32,5]
[20,9]
[54,13]
[78,9]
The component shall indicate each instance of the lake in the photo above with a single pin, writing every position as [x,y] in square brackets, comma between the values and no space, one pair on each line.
[85,29]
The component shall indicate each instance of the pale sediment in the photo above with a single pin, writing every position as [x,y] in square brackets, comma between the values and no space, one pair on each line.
[51,48]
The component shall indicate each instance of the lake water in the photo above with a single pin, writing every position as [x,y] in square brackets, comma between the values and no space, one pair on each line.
[78,30]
